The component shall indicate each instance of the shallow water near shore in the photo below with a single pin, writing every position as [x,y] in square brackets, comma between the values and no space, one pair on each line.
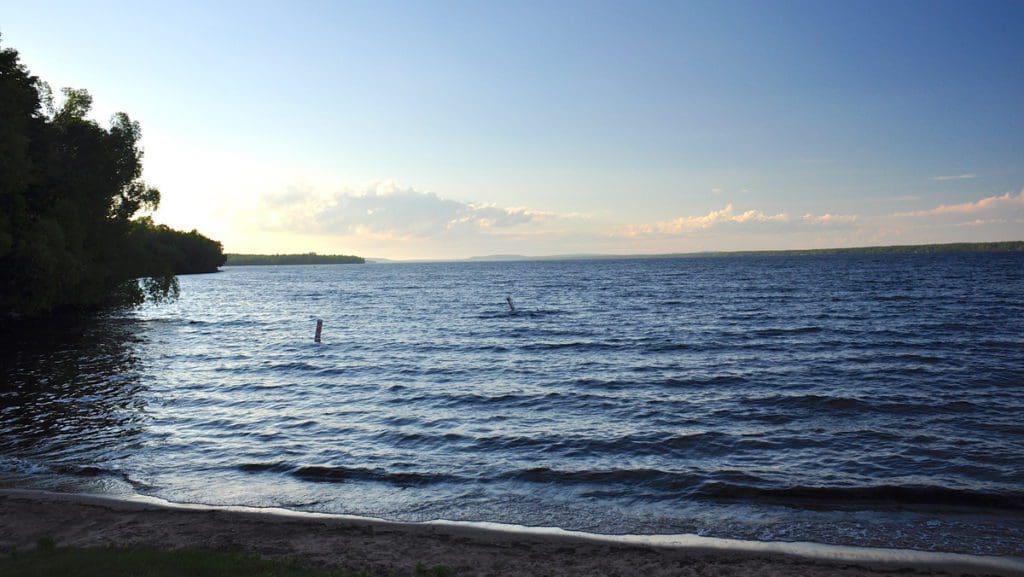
[844,399]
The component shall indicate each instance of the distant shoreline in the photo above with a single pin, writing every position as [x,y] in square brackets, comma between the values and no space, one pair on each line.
[957,247]
[234,259]
[387,548]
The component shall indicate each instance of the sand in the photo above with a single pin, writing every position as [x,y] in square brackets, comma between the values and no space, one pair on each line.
[387,548]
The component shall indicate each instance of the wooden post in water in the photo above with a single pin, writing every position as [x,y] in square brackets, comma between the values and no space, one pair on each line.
[511,307]
[319,327]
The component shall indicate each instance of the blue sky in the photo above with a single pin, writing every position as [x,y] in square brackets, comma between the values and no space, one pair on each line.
[431,130]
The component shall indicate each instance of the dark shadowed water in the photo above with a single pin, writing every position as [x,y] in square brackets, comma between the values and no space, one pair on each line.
[866,400]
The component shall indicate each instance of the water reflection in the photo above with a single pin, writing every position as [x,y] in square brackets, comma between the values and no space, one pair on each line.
[71,396]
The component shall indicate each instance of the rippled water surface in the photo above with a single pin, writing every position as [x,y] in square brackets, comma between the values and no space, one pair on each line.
[867,400]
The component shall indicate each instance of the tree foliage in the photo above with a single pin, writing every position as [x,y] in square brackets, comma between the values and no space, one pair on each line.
[164,250]
[69,189]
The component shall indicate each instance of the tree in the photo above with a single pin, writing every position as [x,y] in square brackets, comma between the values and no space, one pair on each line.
[20,106]
[69,190]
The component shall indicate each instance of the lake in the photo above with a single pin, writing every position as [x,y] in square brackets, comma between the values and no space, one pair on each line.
[850,399]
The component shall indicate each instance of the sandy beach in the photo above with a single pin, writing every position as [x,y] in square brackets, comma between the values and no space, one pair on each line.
[395,548]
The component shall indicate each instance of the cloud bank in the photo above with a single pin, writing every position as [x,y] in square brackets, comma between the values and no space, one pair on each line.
[728,218]
[937,224]
[385,210]
[713,219]
[385,219]
[993,204]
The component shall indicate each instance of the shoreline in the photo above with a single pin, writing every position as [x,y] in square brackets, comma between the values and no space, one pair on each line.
[468,548]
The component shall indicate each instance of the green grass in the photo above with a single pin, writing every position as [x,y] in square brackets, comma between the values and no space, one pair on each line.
[48,560]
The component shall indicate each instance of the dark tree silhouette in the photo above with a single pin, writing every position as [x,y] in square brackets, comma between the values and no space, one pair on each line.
[69,190]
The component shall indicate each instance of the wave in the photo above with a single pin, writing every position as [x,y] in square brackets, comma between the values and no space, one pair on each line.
[819,402]
[781,332]
[19,466]
[668,347]
[868,497]
[582,346]
[336,474]
[287,366]
[725,379]
[648,478]
[520,313]
[339,474]
[655,485]
[697,444]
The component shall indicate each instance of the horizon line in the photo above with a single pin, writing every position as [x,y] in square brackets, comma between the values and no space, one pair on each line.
[1004,245]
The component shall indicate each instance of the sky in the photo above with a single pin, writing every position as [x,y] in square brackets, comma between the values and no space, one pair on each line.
[426,130]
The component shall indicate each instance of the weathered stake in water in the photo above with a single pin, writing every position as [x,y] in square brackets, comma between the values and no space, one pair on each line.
[319,328]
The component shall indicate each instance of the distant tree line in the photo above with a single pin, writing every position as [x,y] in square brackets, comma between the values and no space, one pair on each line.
[166,250]
[1000,246]
[307,258]
[69,194]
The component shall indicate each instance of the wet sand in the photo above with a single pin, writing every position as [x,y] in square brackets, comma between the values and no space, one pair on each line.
[387,548]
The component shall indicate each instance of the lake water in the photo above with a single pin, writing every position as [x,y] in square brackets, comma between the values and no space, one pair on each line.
[850,399]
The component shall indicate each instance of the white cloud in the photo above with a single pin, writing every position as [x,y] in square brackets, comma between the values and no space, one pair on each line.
[715,218]
[828,219]
[385,210]
[955,177]
[748,221]
[1005,202]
